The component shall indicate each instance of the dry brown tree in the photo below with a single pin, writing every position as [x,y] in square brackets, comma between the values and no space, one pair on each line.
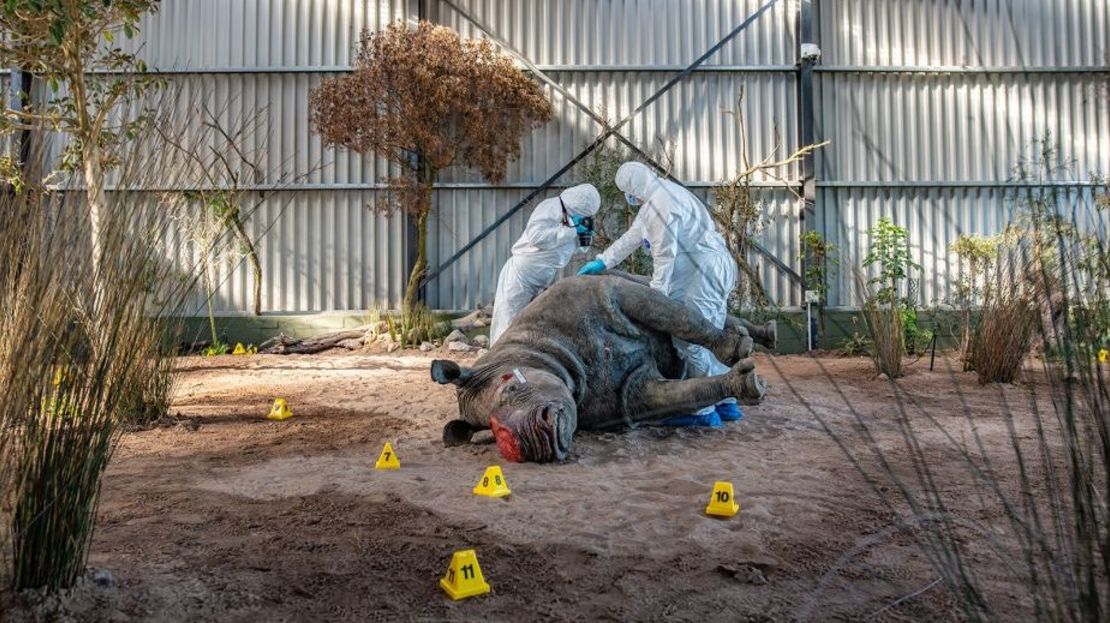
[427,100]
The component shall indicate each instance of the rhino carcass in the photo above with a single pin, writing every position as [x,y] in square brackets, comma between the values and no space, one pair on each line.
[594,353]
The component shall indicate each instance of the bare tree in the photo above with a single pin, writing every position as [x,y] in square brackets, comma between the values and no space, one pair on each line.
[740,216]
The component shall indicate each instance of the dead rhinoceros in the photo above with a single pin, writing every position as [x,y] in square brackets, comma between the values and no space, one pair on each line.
[594,353]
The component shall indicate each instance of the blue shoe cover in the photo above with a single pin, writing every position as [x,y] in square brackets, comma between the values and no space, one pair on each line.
[711,420]
[729,411]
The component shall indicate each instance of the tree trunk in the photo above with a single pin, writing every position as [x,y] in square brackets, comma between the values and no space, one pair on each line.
[94,184]
[252,256]
[420,266]
[205,266]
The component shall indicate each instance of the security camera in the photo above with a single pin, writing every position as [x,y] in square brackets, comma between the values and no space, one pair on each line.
[810,52]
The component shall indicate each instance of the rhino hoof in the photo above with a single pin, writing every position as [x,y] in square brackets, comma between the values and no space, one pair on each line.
[771,333]
[457,433]
[752,389]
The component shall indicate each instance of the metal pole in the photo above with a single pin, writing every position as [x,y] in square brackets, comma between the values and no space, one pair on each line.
[808,46]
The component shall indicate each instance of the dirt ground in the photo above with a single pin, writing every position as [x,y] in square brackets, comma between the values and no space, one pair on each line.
[226,516]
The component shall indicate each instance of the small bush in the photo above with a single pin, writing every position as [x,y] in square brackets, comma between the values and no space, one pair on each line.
[1002,340]
[884,322]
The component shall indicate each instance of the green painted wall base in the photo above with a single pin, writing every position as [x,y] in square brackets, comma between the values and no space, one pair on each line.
[839,326]
[258,329]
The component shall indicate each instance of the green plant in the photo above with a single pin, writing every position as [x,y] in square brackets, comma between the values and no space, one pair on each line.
[415,327]
[70,375]
[70,45]
[216,349]
[1049,535]
[916,339]
[856,345]
[887,334]
[890,250]
[398,105]
[817,254]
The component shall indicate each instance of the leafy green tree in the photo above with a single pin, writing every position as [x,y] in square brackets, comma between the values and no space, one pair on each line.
[71,45]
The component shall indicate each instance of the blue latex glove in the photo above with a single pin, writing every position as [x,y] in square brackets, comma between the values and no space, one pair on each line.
[582,229]
[592,267]
[710,420]
[729,411]
[575,220]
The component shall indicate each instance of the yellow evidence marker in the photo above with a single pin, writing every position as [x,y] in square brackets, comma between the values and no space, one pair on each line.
[1103,356]
[464,576]
[239,350]
[722,503]
[388,459]
[492,484]
[280,411]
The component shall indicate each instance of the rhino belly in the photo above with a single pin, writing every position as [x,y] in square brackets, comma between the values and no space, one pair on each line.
[617,361]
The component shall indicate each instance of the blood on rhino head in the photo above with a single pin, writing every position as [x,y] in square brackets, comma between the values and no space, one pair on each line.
[531,411]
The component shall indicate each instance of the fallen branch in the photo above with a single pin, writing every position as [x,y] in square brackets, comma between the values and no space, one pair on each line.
[476,319]
[351,339]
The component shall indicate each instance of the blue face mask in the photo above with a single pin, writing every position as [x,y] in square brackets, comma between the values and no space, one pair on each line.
[632,200]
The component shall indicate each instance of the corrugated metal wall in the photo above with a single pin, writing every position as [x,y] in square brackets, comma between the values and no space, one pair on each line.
[612,56]
[321,245]
[928,104]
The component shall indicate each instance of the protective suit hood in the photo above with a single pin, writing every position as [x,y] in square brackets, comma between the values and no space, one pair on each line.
[581,200]
[636,178]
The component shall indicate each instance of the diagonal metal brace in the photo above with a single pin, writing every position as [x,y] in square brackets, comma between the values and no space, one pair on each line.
[610,130]
[487,30]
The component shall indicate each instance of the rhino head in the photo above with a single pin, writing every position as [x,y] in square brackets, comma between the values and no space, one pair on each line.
[531,411]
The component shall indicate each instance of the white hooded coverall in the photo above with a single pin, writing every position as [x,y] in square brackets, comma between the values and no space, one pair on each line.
[543,250]
[690,260]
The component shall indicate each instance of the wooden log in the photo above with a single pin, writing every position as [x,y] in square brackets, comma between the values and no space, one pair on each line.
[286,345]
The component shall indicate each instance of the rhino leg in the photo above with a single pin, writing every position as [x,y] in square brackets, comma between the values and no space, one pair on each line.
[766,335]
[657,311]
[658,397]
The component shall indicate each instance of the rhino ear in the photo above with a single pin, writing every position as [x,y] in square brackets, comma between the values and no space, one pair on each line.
[444,372]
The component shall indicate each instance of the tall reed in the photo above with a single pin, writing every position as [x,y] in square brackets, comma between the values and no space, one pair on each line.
[77,360]
[1026,533]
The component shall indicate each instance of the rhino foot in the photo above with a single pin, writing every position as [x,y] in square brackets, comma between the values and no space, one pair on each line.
[752,389]
[736,345]
[770,335]
[458,433]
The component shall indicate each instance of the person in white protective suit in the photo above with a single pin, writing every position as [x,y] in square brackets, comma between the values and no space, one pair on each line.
[546,246]
[690,261]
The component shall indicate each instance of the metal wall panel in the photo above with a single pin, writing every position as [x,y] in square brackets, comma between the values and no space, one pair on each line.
[691,117]
[656,33]
[931,148]
[931,104]
[902,127]
[255,61]
[280,35]
[319,250]
[984,33]
[936,217]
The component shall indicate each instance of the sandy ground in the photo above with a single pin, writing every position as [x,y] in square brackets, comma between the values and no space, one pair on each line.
[226,516]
